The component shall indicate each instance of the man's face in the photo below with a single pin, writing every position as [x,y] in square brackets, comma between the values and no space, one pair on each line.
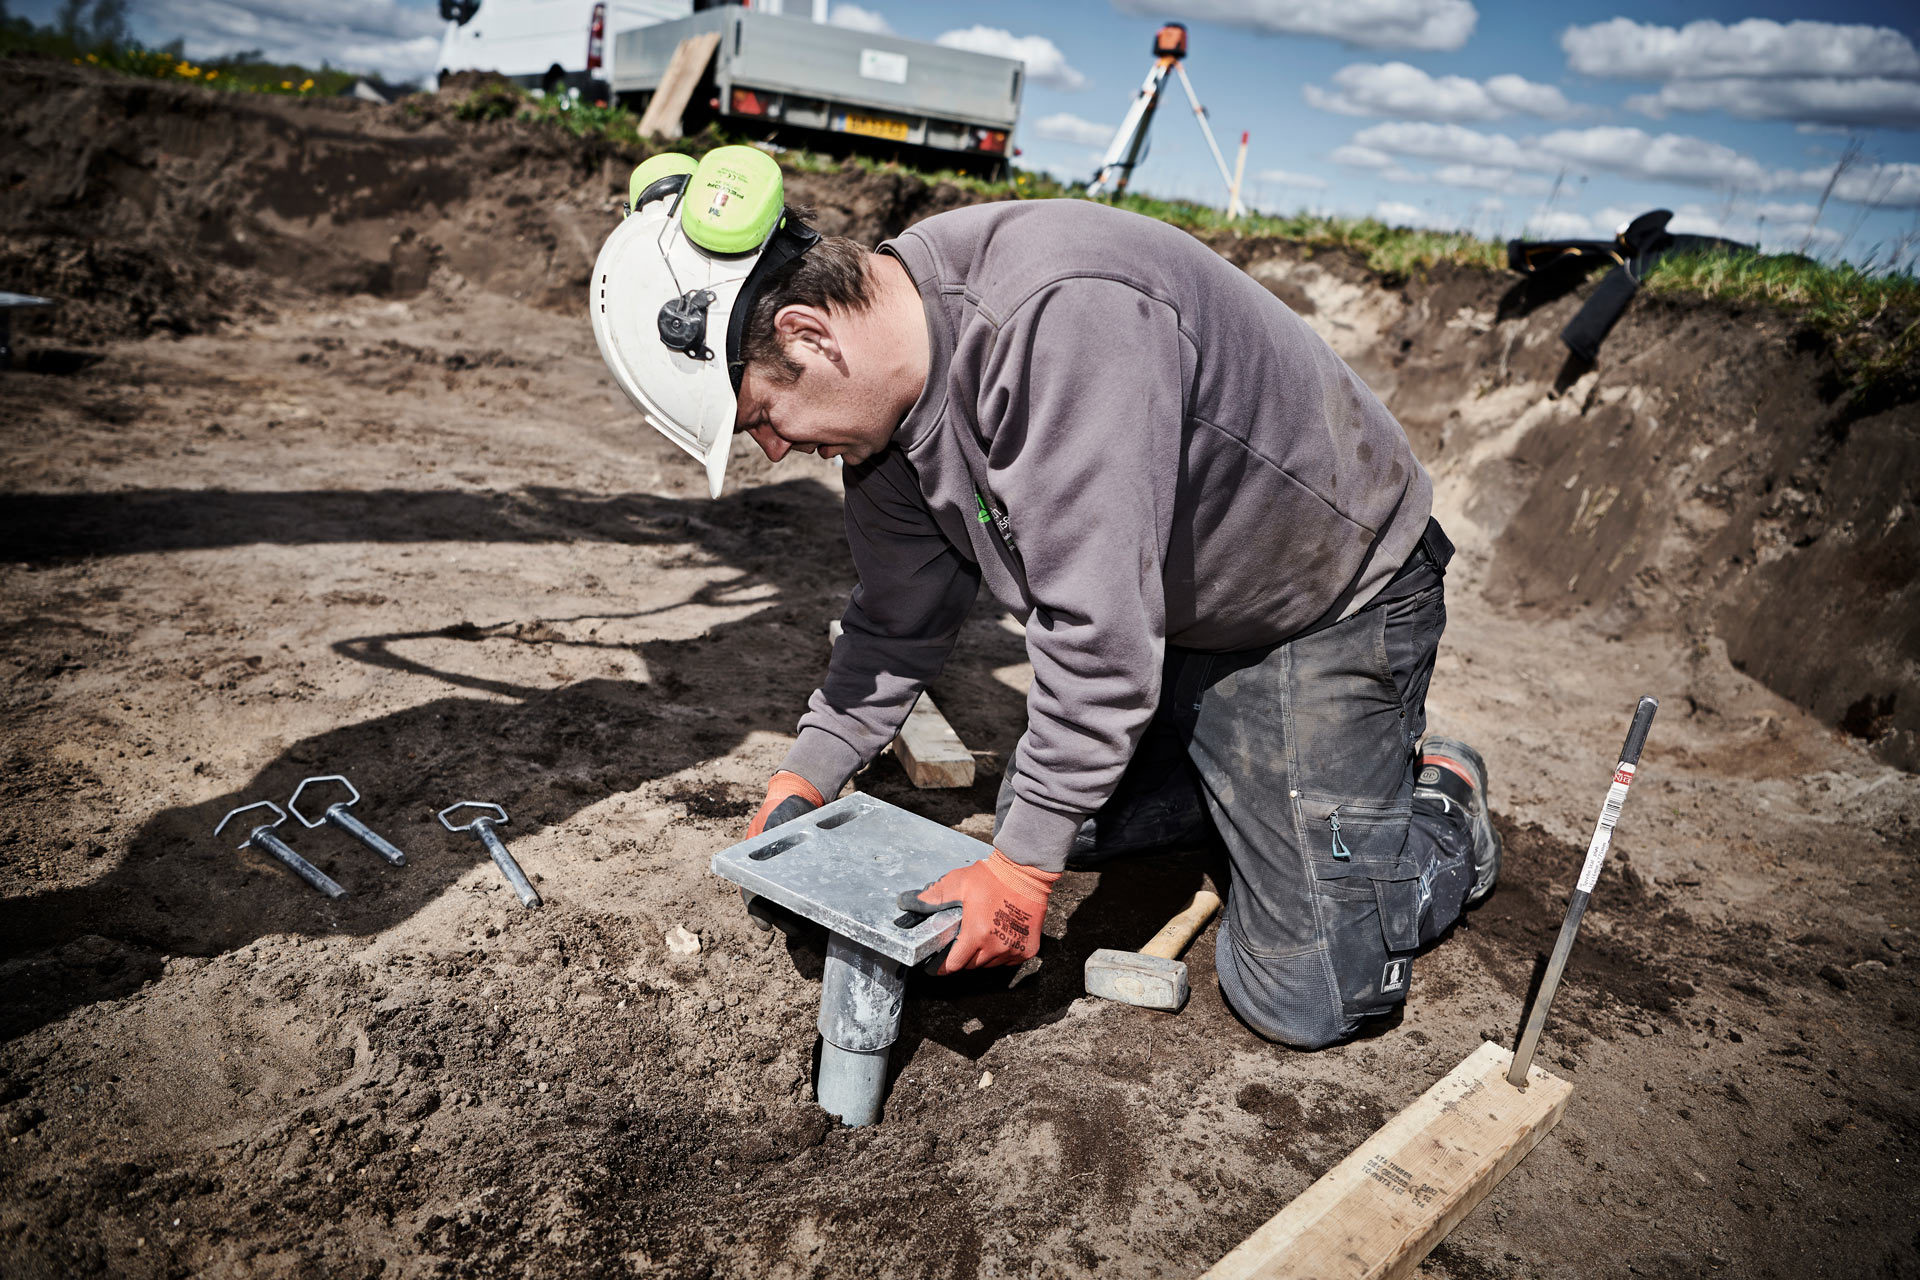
[822,411]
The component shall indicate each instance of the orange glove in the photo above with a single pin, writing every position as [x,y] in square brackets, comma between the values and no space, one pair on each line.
[1002,905]
[788,796]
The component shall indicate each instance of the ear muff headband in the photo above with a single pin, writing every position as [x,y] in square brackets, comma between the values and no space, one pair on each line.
[791,239]
[657,176]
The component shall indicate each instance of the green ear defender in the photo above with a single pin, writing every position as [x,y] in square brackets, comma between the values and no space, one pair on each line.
[732,201]
[657,176]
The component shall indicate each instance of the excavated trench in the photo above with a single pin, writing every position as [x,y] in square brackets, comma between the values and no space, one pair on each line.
[316,468]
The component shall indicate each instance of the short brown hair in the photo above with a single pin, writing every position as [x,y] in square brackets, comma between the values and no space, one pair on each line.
[831,276]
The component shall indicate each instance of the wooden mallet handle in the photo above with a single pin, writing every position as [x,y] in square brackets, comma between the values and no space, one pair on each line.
[1173,939]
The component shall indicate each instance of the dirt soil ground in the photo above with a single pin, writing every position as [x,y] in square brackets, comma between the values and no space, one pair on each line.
[402,527]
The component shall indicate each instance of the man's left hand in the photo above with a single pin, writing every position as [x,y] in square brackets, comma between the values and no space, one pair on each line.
[1002,904]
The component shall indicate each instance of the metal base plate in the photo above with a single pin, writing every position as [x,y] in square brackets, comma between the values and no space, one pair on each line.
[844,866]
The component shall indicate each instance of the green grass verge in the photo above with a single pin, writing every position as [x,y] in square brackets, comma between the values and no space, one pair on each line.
[242,73]
[1873,321]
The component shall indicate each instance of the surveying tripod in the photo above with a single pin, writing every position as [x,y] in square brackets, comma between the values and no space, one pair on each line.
[1130,142]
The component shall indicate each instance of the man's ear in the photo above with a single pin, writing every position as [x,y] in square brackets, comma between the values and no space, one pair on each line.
[803,329]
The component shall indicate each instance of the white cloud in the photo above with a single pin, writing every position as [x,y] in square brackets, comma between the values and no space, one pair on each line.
[1893,186]
[1045,63]
[381,36]
[1066,127]
[854,18]
[1868,101]
[1360,157]
[1484,178]
[1396,89]
[1450,142]
[1396,214]
[1527,97]
[1670,157]
[1368,24]
[1562,224]
[1624,49]
[1282,177]
[1631,153]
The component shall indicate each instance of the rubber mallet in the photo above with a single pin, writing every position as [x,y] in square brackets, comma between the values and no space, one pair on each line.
[1151,977]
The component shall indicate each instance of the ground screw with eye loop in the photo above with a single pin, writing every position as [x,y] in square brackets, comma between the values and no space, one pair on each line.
[337,814]
[264,837]
[483,825]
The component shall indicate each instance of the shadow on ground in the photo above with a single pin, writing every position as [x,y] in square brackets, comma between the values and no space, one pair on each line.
[543,753]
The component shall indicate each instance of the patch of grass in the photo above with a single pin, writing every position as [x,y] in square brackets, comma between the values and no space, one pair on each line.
[1392,251]
[612,123]
[1873,321]
[240,72]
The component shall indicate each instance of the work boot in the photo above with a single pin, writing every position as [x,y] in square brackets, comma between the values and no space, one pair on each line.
[1453,776]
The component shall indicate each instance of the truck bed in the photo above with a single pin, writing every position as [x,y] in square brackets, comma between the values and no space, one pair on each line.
[788,72]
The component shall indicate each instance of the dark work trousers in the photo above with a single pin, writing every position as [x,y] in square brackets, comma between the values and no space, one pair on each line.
[1301,756]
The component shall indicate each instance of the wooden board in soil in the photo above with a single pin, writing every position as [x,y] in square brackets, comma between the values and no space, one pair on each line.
[1377,1213]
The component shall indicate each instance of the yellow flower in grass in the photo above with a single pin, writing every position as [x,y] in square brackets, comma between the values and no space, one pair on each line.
[286,84]
[306,84]
[93,57]
[213,75]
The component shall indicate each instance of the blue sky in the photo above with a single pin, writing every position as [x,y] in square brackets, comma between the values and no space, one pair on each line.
[1502,117]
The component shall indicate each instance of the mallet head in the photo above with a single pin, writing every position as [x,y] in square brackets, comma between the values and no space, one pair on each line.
[1133,978]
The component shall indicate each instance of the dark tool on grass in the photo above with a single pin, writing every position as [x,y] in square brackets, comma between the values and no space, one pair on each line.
[1583,888]
[264,837]
[484,825]
[1152,977]
[337,814]
[1633,251]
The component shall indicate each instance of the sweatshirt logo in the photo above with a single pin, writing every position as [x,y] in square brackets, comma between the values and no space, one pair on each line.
[990,513]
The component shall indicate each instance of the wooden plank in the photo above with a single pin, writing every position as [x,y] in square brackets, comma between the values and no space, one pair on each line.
[932,752]
[929,749]
[1380,1211]
[668,105]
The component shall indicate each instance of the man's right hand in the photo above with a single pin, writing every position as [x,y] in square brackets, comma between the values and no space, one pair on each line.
[788,797]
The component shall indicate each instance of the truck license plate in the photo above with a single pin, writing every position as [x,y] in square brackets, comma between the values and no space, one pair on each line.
[874,127]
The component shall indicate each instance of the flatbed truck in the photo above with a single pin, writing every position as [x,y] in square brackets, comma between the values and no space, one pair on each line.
[808,84]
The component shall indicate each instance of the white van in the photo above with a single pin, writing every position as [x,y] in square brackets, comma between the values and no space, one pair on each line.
[552,45]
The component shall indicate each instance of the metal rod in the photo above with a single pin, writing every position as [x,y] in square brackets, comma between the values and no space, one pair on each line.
[1123,152]
[1583,888]
[861,992]
[1239,172]
[366,835]
[508,867]
[1200,114]
[273,844]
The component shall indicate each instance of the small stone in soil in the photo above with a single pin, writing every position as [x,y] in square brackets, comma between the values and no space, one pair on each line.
[683,942]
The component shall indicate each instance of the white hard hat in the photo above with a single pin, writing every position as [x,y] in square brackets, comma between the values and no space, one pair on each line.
[674,283]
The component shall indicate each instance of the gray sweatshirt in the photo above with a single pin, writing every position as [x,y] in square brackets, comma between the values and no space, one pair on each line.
[1133,444]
